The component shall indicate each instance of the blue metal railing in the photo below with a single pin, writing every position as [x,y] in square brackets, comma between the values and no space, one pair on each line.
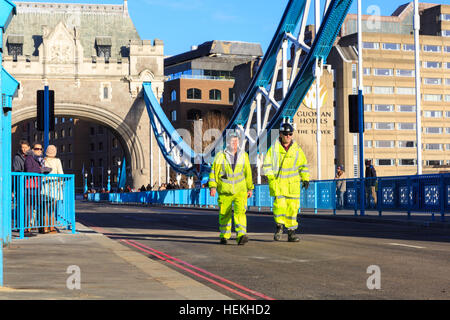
[40,201]
[419,193]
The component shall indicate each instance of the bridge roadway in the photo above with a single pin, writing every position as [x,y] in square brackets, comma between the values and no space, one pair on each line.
[330,262]
[163,253]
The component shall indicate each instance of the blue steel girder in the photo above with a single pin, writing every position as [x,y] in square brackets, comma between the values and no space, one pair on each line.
[265,77]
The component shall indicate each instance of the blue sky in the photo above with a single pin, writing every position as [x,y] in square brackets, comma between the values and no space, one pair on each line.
[183,23]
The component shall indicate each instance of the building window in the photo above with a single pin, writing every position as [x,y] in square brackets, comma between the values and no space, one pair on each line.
[368,143]
[114,144]
[92,131]
[173,95]
[433,146]
[230,95]
[433,114]
[384,126]
[433,130]
[15,50]
[434,163]
[69,148]
[367,108]
[432,81]
[69,132]
[194,114]
[446,48]
[100,146]
[447,98]
[366,71]
[384,144]
[407,162]
[384,108]
[105,93]
[406,108]
[406,90]
[174,115]
[194,94]
[391,46]
[407,144]
[447,82]
[431,48]
[432,64]
[447,114]
[367,89]
[383,72]
[445,33]
[432,97]
[383,90]
[445,17]
[92,147]
[408,47]
[404,73]
[385,162]
[367,125]
[371,45]
[215,94]
[406,126]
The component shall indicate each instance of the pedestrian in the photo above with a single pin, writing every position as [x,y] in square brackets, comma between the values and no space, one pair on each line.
[286,166]
[340,186]
[52,188]
[18,164]
[34,162]
[371,179]
[149,187]
[231,178]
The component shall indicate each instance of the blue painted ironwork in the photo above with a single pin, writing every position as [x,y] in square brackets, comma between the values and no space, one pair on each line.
[42,200]
[199,164]
[420,193]
[8,87]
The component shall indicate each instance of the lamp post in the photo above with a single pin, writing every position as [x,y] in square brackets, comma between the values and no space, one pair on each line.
[118,174]
[85,183]
[109,180]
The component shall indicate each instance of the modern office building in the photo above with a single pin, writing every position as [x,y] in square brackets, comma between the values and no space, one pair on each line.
[389,91]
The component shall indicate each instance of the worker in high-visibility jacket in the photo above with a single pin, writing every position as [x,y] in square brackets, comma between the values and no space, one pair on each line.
[231,178]
[285,166]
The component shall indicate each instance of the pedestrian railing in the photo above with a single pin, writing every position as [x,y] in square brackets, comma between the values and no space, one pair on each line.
[41,200]
[419,193]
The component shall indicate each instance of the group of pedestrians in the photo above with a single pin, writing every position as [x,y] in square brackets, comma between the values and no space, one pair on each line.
[34,160]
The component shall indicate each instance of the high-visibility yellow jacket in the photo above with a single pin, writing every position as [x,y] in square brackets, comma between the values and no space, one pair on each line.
[227,181]
[284,170]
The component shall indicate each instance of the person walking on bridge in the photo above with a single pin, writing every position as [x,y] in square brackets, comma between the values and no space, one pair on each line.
[231,178]
[285,166]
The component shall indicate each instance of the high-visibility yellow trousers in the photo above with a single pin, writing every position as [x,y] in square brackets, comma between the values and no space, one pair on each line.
[285,211]
[226,203]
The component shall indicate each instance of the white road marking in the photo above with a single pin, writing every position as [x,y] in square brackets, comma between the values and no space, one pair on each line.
[405,245]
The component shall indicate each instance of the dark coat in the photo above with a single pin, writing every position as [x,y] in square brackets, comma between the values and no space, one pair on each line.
[18,163]
[32,163]
[371,173]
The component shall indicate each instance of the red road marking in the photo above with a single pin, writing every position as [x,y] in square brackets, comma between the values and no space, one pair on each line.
[160,255]
[256,293]
[190,271]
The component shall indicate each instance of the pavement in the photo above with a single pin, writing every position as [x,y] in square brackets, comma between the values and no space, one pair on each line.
[49,267]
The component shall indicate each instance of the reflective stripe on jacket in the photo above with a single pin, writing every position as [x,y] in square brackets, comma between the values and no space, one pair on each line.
[225,179]
[285,169]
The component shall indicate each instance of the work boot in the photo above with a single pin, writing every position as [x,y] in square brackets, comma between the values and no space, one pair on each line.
[278,233]
[223,241]
[292,237]
[243,240]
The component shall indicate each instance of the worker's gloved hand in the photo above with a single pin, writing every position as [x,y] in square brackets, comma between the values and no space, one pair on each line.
[305,184]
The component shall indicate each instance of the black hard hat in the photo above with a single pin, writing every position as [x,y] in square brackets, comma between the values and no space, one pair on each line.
[286,128]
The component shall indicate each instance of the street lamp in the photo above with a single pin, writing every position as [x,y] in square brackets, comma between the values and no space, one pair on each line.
[109,180]
[118,174]
[85,183]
